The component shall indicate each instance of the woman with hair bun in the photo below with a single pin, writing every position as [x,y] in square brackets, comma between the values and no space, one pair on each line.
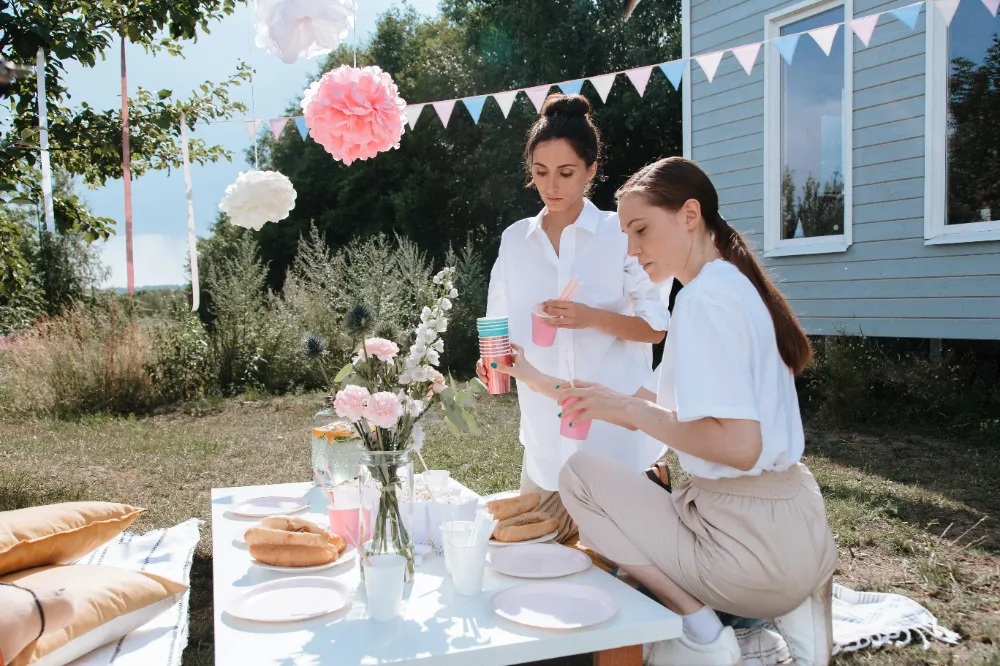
[605,333]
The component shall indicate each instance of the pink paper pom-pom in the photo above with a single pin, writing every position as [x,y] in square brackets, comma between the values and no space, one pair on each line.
[354,113]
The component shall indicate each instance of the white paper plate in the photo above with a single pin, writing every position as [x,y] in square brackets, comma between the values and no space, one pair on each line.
[291,600]
[262,507]
[349,554]
[542,539]
[554,605]
[542,560]
[507,494]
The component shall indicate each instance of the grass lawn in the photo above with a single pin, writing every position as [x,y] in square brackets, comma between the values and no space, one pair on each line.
[912,515]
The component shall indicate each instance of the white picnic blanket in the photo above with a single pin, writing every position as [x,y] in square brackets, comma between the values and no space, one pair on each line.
[165,552]
[874,619]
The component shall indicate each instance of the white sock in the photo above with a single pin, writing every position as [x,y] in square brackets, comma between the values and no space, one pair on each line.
[702,626]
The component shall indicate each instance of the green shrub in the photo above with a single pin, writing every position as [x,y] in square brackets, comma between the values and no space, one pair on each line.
[182,369]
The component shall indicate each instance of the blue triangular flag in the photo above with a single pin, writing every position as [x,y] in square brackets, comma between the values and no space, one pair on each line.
[300,122]
[572,87]
[908,15]
[674,71]
[474,105]
[786,46]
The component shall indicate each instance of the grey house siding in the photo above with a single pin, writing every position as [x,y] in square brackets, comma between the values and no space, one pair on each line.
[888,283]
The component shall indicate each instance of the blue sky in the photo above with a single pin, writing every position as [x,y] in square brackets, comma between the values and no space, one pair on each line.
[159,210]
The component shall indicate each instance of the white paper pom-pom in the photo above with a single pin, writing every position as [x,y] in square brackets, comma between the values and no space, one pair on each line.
[258,197]
[292,29]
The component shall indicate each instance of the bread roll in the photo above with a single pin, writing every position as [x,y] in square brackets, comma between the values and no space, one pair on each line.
[502,509]
[268,536]
[525,527]
[293,556]
[293,525]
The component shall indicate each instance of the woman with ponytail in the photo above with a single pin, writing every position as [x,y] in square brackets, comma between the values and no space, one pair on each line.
[747,534]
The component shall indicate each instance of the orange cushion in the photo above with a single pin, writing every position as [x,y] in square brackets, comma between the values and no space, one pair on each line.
[59,533]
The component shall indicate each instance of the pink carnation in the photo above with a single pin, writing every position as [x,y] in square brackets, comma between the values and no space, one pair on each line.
[438,381]
[354,113]
[380,348]
[350,403]
[383,410]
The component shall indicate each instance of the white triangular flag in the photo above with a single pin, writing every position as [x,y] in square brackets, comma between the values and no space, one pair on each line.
[864,27]
[277,124]
[506,101]
[824,36]
[640,78]
[603,85]
[253,126]
[413,114]
[537,95]
[993,6]
[444,109]
[947,9]
[747,56]
[710,63]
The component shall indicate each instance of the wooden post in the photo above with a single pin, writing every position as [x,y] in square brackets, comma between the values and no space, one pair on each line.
[625,656]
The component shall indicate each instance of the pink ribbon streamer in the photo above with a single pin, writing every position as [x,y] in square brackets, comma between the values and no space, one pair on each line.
[127,172]
[192,240]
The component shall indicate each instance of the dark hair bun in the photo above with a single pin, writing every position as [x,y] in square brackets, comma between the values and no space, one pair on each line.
[566,105]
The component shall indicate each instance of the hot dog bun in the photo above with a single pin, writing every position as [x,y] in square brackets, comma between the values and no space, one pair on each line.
[504,509]
[293,556]
[293,542]
[525,527]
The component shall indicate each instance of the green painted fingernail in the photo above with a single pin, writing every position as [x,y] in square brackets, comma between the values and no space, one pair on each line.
[493,365]
[558,385]
[559,414]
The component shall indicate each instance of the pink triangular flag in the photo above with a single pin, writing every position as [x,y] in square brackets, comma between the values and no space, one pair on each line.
[603,85]
[252,127]
[992,5]
[747,56]
[710,63]
[505,100]
[277,124]
[640,78]
[947,9]
[537,95]
[824,36]
[864,27]
[413,114]
[444,110]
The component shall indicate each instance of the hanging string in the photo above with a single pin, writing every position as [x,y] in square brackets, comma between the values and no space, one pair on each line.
[354,9]
[253,96]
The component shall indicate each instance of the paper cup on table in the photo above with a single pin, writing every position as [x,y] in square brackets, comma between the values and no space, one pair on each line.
[344,517]
[437,479]
[580,431]
[468,566]
[384,586]
[543,333]
[456,531]
[458,509]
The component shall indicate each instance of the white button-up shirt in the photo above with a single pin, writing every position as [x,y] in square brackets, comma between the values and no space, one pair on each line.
[528,271]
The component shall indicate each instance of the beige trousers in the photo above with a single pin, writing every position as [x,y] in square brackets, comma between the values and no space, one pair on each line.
[752,546]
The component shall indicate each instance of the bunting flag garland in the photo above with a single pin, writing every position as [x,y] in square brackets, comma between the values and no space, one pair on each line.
[277,125]
[253,126]
[574,87]
[992,5]
[709,63]
[192,240]
[824,37]
[908,15]
[506,101]
[444,109]
[640,78]
[747,56]
[537,95]
[474,105]
[674,71]
[43,144]
[602,84]
[864,28]
[413,114]
[300,124]
[786,47]
[947,9]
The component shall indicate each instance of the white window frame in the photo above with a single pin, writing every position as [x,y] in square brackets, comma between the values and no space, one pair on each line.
[936,229]
[774,245]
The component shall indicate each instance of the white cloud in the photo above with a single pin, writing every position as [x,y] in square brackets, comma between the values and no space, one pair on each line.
[158,259]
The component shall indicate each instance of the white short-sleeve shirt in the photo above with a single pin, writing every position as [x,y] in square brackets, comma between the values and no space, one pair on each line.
[528,271]
[721,361]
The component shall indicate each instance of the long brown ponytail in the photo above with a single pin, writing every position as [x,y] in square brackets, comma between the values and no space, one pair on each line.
[668,184]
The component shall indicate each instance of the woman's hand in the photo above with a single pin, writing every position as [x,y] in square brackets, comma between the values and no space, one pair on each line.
[481,370]
[520,369]
[570,314]
[596,402]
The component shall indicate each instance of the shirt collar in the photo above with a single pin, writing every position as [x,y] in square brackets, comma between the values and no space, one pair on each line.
[588,219]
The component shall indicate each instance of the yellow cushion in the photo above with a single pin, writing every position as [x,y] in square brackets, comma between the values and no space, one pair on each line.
[108,602]
[59,533]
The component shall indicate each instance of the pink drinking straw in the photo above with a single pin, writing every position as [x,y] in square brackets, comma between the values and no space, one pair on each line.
[353,542]
[319,480]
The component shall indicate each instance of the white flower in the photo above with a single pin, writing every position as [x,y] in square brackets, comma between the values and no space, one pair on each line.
[258,197]
[432,357]
[453,293]
[414,407]
[293,29]
[445,304]
[417,435]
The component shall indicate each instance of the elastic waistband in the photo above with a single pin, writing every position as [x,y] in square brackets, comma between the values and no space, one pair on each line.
[769,485]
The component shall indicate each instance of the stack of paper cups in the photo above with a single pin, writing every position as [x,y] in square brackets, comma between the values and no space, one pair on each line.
[494,348]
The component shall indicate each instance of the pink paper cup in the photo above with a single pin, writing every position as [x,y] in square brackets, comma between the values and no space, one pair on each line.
[580,431]
[497,383]
[344,518]
[543,333]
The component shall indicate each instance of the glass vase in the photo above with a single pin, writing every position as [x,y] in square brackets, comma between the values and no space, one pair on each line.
[386,479]
[336,449]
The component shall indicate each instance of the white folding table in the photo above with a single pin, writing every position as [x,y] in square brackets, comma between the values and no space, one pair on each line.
[438,627]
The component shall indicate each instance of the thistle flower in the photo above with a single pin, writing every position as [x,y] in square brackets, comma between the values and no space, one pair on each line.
[359,319]
[313,346]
